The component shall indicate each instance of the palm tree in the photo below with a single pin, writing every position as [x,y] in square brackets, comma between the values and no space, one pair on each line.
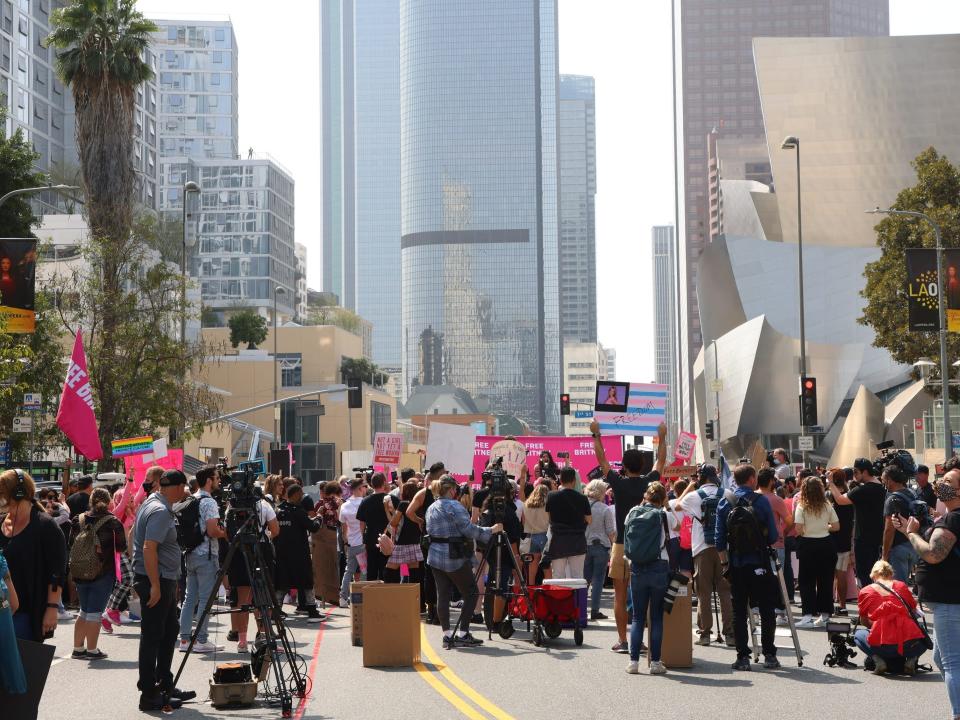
[100,48]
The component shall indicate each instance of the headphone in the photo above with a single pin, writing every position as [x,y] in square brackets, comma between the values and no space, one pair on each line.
[20,491]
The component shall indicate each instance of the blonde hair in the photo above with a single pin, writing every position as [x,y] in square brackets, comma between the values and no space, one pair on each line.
[656,493]
[812,496]
[8,486]
[596,489]
[881,570]
[100,500]
[538,498]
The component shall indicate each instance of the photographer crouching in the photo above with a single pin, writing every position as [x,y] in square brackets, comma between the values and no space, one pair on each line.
[893,640]
[448,525]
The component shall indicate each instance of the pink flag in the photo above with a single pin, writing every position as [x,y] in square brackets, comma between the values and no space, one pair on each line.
[76,417]
[290,453]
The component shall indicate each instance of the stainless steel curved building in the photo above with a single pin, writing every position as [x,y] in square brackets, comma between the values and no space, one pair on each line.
[478,104]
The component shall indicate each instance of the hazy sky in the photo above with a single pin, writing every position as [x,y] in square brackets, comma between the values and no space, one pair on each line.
[624,44]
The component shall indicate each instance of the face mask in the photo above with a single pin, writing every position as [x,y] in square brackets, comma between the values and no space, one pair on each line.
[945,491]
[776,461]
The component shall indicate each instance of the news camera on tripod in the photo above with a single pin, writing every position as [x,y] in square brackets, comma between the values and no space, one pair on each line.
[498,507]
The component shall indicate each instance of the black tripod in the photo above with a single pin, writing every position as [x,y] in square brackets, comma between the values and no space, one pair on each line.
[277,640]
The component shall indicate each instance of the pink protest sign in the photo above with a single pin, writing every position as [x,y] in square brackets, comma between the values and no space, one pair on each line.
[684,448]
[387,448]
[580,450]
[173,460]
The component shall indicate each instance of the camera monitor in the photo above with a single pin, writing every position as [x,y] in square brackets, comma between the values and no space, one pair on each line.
[612,396]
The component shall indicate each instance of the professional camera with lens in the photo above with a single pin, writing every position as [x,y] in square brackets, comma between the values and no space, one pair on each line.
[891,457]
[239,486]
[501,492]
[840,637]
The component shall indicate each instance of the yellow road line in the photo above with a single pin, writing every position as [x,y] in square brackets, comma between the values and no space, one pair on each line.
[447,694]
[458,683]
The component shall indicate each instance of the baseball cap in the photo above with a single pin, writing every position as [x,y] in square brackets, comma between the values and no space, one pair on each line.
[862,464]
[171,478]
[708,472]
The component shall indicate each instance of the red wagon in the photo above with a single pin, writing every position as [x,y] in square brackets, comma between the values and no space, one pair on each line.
[548,608]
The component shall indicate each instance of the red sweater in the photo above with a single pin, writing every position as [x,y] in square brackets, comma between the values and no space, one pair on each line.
[891,623]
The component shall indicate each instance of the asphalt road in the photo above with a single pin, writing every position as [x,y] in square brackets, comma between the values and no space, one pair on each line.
[504,680]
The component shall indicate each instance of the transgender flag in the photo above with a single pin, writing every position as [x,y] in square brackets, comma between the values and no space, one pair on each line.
[646,409]
[76,417]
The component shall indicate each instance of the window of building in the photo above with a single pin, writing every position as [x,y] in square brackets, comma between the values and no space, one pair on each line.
[291,369]
[379,418]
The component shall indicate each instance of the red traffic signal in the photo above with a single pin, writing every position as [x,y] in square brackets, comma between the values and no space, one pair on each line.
[565,404]
[808,401]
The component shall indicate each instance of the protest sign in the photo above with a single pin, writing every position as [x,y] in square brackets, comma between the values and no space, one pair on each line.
[513,453]
[453,446]
[646,409]
[132,446]
[579,449]
[684,448]
[387,448]
[678,471]
[137,464]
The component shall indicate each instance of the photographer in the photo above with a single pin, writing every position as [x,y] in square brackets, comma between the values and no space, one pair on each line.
[896,549]
[489,517]
[448,524]
[569,516]
[893,639]
[546,467]
[294,568]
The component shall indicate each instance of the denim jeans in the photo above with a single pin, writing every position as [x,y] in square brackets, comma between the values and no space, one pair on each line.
[911,648]
[946,648]
[903,557]
[201,574]
[356,560]
[595,572]
[648,586]
[93,597]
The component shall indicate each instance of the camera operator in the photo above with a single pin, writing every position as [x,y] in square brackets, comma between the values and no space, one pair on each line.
[569,516]
[868,526]
[892,639]
[937,573]
[896,549]
[448,524]
[294,566]
[489,517]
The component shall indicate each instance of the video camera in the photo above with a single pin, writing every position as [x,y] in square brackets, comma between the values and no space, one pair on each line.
[840,637]
[891,457]
[501,491]
[363,472]
[239,485]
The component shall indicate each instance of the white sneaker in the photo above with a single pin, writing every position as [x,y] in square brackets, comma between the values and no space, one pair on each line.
[184,644]
[782,620]
[206,647]
[125,618]
[633,668]
[821,621]
[657,668]
[287,600]
[805,622]
[63,615]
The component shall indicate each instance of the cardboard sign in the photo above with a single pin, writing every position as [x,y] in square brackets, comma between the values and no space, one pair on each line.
[452,445]
[138,464]
[513,453]
[387,448]
[684,448]
[679,471]
[646,409]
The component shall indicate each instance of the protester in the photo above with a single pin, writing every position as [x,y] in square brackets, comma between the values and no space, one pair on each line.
[702,504]
[326,557]
[868,527]
[649,575]
[406,539]
[766,486]
[628,491]
[417,512]
[373,519]
[892,640]
[536,522]
[924,488]
[842,539]
[937,573]
[601,533]
[746,530]
[36,556]
[896,549]
[815,520]
[273,490]
[156,566]
[569,516]
[294,568]
[353,547]
[781,464]
[546,467]
[448,524]
[103,541]
[13,681]
[79,502]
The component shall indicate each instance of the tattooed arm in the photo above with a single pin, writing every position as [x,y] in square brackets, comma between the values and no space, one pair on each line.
[933,551]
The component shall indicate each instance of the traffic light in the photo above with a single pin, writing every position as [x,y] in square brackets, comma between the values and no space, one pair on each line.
[709,430]
[808,401]
[354,393]
[565,404]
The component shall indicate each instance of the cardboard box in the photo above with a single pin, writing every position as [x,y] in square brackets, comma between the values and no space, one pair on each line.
[356,609]
[677,649]
[391,625]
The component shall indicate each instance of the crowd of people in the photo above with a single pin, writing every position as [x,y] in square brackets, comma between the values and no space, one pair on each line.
[156,552]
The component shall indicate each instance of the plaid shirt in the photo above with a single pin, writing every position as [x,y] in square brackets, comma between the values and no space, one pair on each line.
[449,519]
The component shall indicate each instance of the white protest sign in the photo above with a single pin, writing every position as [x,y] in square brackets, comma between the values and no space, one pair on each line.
[387,448]
[684,448]
[159,448]
[452,445]
[514,454]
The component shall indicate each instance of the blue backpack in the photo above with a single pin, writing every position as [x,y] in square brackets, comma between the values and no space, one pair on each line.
[708,514]
[644,534]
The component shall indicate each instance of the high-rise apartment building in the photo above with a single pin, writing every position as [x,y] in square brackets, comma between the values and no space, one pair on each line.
[578,186]
[479,243]
[719,91]
[300,307]
[664,316]
[360,162]
[583,364]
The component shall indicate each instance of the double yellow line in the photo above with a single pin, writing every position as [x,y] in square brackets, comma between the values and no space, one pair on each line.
[454,685]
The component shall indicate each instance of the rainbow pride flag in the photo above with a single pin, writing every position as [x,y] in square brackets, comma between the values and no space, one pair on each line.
[131,446]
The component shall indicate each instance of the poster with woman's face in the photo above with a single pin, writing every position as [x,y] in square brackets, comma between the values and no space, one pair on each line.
[18,264]
[612,396]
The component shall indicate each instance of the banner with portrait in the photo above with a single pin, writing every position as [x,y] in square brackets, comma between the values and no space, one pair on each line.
[18,272]
[923,300]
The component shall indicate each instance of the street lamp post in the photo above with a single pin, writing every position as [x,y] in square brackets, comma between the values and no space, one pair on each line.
[188,188]
[942,297]
[792,142]
[30,190]
[277,290]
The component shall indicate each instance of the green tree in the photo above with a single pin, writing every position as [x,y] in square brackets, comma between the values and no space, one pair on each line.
[17,159]
[363,369]
[326,312]
[249,327]
[937,194]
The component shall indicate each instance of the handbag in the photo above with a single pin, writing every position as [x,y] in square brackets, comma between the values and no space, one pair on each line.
[525,545]
[927,641]
[385,544]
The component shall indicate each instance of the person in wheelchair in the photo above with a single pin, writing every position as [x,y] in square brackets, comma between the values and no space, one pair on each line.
[892,640]
[513,530]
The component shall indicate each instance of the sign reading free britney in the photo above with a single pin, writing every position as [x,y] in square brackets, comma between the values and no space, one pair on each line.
[579,448]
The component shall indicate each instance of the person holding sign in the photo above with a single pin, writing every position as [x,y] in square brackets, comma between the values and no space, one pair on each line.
[628,491]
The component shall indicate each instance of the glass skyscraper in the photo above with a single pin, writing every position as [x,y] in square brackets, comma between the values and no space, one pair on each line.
[478,102]
[665,318]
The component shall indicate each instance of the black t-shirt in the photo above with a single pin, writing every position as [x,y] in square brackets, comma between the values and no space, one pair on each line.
[409,531]
[78,503]
[843,539]
[307,503]
[627,494]
[372,512]
[568,508]
[940,582]
[897,504]
[294,526]
[868,502]
[927,494]
[511,523]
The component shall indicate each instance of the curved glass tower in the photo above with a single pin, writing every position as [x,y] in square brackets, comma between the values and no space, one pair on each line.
[478,106]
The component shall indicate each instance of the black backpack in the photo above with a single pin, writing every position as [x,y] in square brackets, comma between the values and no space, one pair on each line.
[746,535]
[187,516]
[916,507]
[708,514]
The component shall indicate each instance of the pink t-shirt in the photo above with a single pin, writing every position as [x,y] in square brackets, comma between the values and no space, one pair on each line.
[780,513]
